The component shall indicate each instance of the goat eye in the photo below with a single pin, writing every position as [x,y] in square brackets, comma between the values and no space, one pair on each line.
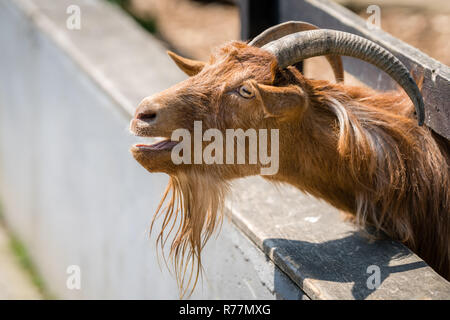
[245,92]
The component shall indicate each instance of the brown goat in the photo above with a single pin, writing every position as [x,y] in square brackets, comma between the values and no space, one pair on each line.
[360,150]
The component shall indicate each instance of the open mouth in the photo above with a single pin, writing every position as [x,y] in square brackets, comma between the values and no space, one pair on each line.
[157,148]
[160,145]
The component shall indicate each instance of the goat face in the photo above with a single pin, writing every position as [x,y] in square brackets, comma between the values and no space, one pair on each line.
[232,91]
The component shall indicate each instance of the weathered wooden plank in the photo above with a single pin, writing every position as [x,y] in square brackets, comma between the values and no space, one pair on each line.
[436,86]
[326,257]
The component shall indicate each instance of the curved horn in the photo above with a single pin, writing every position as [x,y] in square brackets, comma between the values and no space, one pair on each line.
[286,28]
[302,45]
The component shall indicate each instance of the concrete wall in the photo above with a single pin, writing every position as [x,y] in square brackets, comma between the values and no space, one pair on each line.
[69,187]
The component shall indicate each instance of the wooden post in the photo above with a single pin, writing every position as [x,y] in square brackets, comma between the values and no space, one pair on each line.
[257,16]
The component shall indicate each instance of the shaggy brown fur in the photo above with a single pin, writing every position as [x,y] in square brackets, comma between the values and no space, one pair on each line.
[358,149]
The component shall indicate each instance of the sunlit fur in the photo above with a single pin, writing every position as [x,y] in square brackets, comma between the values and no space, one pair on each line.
[358,149]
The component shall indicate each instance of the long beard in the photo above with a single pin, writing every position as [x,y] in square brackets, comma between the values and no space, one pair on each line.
[192,208]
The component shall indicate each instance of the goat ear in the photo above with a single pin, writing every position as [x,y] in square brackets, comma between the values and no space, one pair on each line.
[188,66]
[281,102]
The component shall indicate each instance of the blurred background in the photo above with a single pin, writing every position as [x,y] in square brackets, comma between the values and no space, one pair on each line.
[193,27]
[189,27]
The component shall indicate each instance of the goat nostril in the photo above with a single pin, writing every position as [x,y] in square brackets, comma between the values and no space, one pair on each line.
[146,116]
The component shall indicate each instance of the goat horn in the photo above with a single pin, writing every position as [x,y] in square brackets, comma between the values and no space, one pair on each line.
[286,28]
[296,47]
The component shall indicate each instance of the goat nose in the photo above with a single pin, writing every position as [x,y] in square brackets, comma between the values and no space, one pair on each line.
[147,115]
[146,111]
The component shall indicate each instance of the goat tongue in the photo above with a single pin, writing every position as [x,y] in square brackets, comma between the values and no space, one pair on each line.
[161,145]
